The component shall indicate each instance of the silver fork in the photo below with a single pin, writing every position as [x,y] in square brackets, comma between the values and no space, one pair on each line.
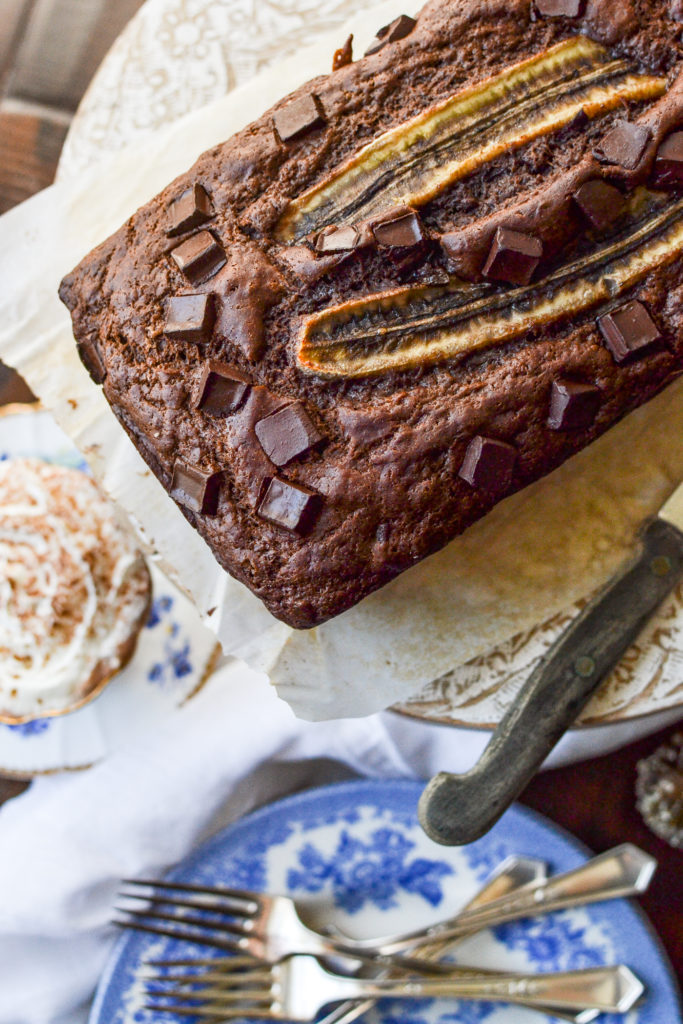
[296,989]
[514,873]
[271,928]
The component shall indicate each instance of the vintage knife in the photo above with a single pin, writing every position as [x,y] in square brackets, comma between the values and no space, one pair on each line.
[457,809]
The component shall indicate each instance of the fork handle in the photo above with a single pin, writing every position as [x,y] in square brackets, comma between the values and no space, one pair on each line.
[625,870]
[608,989]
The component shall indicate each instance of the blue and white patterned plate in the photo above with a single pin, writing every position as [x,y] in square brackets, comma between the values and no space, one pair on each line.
[356,852]
[173,654]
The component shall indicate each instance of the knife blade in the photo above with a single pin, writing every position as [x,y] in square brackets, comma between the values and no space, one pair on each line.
[457,809]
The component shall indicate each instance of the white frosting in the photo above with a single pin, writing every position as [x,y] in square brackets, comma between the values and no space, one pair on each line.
[73,587]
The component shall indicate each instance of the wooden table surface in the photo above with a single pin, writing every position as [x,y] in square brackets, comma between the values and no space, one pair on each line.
[49,50]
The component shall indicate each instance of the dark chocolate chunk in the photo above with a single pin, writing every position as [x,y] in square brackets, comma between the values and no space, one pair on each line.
[92,360]
[573,406]
[600,203]
[579,121]
[299,116]
[344,55]
[668,168]
[559,8]
[190,317]
[221,389]
[489,464]
[514,257]
[624,144]
[337,240]
[399,28]
[401,231]
[629,331]
[195,489]
[287,433]
[199,257]
[288,505]
[190,211]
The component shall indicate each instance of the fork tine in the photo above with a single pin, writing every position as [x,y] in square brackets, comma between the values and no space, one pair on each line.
[177,933]
[210,1013]
[217,998]
[215,979]
[224,927]
[197,903]
[245,895]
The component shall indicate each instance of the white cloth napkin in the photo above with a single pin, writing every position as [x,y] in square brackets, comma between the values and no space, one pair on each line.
[66,842]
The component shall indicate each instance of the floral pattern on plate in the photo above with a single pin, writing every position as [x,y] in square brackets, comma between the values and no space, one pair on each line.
[345,826]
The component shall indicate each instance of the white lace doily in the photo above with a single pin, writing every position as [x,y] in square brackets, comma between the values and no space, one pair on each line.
[177,55]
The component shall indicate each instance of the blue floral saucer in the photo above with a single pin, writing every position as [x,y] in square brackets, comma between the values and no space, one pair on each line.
[356,853]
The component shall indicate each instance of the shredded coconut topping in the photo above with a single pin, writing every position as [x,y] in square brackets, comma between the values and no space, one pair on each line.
[73,587]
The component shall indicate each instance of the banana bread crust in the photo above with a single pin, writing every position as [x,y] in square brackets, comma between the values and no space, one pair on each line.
[286,404]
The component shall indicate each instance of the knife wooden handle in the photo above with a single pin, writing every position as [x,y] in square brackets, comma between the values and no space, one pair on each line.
[457,809]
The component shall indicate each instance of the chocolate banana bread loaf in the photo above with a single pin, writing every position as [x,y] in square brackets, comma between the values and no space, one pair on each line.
[411,288]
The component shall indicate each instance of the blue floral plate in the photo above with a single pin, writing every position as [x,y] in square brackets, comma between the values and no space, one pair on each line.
[356,853]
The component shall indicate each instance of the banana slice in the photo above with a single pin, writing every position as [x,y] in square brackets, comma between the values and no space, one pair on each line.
[419,326]
[414,162]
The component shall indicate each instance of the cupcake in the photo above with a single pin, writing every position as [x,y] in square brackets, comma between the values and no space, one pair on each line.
[74,590]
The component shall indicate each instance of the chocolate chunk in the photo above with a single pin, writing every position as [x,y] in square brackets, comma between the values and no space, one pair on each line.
[624,144]
[199,257]
[489,465]
[344,55]
[195,489]
[514,257]
[629,331]
[600,203]
[190,317]
[579,121]
[190,211]
[287,505]
[573,406]
[287,433]
[668,170]
[401,231]
[559,8]
[221,389]
[337,240]
[299,116]
[397,29]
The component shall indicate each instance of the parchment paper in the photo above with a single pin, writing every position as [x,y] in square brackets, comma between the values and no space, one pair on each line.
[532,556]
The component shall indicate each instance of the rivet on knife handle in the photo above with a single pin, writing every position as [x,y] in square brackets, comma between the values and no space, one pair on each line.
[457,809]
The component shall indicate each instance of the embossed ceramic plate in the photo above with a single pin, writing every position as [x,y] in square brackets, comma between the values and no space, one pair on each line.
[174,653]
[356,852]
[177,55]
